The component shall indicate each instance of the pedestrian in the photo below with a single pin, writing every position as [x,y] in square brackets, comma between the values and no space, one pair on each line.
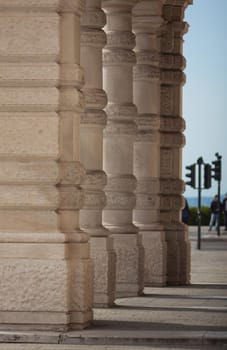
[214,213]
[224,208]
[185,212]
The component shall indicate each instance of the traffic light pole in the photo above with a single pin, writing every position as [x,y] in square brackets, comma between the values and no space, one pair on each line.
[217,177]
[219,214]
[199,162]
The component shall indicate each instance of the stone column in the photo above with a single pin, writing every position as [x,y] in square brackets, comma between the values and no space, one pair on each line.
[45,266]
[147,21]
[119,136]
[172,141]
[93,121]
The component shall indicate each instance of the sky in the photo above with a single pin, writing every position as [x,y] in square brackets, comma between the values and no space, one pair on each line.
[205,91]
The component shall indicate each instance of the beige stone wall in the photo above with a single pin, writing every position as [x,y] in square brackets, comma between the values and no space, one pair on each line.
[45,267]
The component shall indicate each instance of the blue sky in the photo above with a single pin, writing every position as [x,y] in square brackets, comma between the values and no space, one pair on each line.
[205,92]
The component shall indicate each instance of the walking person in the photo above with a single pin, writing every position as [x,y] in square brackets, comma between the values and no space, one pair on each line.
[215,211]
[224,208]
[185,212]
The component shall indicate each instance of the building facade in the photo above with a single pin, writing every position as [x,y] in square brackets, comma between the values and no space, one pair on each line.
[90,150]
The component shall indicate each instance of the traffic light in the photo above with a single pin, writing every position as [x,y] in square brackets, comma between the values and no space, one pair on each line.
[207,176]
[191,175]
[217,170]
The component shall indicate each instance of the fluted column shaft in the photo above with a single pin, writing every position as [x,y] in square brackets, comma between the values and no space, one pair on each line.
[93,39]
[119,137]
[45,266]
[172,141]
[147,21]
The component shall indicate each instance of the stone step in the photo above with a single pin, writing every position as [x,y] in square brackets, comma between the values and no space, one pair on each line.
[101,347]
[115,340]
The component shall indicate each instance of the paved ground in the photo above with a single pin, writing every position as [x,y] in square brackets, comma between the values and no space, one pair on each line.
[193,317]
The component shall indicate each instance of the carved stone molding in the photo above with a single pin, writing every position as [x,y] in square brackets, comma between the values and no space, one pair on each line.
[171,201]
[166,100]
[120,40]
[118,56]
[172,140]
[172,124]
[147,57]
[146,201]
[147,185]
[169,61]
[174,186]
[94,200]
[172,77]
[166,162]
[145,72]
[94,98]
[117,127]
[167,40]
[94,179]
[124,111]
[148,122]
[96,38]
[118,200]
[93,116]
[147,136]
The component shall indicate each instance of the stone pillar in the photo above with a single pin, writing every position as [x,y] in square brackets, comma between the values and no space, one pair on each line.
[119,136]
[147,20]
[93,121]
[172,141]
[45,266]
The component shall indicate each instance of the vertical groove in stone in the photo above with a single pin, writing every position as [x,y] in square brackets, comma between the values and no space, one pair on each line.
[93,121]
[147,22]
[119,136]
[172,141]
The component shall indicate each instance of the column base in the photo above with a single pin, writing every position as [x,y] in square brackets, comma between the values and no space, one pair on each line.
[104,257]
[178,256]
[173,258]
[128,267]
[155,250]
[185,256]
[45,286]
[44,321]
